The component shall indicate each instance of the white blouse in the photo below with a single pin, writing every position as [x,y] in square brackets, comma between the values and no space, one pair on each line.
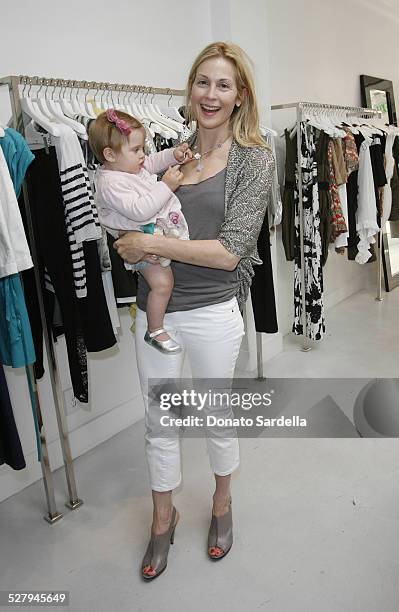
[14,250]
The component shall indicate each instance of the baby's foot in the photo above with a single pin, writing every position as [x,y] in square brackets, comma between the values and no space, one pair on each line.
[161,337]
[162,341]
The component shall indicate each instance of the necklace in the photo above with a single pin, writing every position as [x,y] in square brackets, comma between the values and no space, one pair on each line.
[198,156]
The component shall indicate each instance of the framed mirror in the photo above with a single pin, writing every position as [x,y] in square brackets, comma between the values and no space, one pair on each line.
[377,93]
[390,255]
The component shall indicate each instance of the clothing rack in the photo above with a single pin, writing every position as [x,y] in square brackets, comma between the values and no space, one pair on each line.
[348,111]
[13,83]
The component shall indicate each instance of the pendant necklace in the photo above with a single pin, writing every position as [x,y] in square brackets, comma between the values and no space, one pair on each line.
[198,156]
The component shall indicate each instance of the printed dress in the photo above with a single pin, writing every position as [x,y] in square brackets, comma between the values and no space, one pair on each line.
[313,272]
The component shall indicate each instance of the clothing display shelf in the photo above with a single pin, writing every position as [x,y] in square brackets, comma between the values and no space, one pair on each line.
[13,83]
[344,111]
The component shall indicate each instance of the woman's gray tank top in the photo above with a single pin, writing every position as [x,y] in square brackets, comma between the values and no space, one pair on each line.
[197,286]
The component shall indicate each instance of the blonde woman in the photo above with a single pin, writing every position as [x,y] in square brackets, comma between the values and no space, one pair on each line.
[223,195]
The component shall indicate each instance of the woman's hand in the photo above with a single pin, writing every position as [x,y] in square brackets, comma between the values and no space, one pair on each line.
[183,153]
[130,246]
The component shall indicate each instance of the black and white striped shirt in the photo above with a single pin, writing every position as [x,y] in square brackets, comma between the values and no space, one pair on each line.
[81,218]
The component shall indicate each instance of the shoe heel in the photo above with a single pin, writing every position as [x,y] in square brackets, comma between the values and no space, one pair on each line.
[172,535]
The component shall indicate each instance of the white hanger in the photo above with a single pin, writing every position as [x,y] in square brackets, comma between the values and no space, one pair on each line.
[372,124]
[79,128]
[151,113]
[88,105]
[2,132]
[176,126]
[66,105]
[351,124]
[53,110]
[146,114]
[334,121]
[77,105]
[34,112]
[171,111]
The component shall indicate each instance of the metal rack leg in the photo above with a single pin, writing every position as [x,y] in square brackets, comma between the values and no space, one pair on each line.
[379,297]
[74,502]
[259,356]
[52,515]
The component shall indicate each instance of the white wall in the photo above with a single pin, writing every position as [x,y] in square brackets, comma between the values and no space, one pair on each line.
[317,52]
[132,42]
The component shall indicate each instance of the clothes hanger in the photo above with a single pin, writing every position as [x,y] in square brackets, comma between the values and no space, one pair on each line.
[56,111]
[121,105]
[333,120]
[65,104]
[135,111]
[167,121]
[157,128]
[371,123]
[171,111]
[77,105]
[29,106]
[314,118]
[88,105]
[153,115]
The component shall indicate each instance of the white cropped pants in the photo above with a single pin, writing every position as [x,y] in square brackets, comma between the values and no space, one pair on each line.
[211,338]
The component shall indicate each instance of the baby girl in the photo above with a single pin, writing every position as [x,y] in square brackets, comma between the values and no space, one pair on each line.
[129,197]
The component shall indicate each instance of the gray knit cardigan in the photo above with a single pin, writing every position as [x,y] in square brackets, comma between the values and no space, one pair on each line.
[247,191]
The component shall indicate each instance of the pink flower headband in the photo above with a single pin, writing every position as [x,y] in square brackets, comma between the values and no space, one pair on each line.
[120,124]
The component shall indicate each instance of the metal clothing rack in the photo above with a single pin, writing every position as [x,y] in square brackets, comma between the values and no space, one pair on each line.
[348,111]
[13,83]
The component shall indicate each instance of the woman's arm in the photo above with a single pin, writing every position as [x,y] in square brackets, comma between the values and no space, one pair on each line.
[133,246]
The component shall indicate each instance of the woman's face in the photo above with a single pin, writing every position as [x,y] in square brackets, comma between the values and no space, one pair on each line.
[214,92]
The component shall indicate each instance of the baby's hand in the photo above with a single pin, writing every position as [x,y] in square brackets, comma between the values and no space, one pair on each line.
[183,153]
[173,177]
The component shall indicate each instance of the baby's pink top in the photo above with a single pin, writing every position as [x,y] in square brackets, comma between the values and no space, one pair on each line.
[125,201]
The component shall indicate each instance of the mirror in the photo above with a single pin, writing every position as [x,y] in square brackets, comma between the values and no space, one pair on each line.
[390,254]
[378,94]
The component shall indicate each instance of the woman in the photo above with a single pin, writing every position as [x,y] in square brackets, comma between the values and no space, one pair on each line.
[223,194]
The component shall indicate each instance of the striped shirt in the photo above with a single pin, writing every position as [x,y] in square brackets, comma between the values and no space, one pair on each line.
[81,218]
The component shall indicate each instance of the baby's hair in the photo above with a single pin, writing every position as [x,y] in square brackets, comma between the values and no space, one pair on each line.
[103,133]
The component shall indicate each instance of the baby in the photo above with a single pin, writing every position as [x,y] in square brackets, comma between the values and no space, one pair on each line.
[129,197]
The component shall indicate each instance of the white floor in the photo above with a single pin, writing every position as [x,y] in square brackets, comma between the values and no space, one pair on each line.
[316,521]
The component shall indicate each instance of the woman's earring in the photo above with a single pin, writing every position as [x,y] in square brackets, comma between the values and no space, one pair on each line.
[238,104]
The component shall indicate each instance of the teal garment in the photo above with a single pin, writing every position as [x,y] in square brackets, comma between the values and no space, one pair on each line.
[148,228]
[16,343]
[18,156]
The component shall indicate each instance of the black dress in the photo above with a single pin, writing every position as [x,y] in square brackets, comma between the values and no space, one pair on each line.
[10,444]
[262,288]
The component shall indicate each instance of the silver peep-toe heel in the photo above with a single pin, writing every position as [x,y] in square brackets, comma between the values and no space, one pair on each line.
[168,347]
[156,555]
[221,534]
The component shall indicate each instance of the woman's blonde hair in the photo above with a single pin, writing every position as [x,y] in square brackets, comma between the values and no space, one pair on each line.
[245,118]
[103,133]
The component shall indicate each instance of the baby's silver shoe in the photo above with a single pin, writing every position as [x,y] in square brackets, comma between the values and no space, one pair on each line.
[169,347]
